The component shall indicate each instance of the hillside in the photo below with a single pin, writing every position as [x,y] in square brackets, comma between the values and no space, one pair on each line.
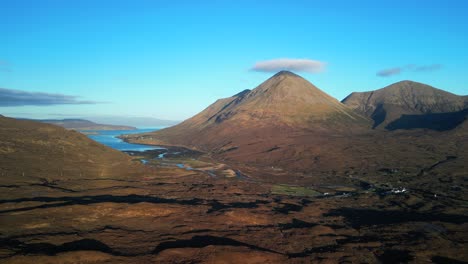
[32,150]
[407,104]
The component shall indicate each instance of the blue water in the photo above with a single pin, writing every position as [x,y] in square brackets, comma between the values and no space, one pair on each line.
[109,138]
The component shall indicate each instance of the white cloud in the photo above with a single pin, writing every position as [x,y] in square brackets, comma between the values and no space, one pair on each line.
[389,72]
[288,64]
[411,68]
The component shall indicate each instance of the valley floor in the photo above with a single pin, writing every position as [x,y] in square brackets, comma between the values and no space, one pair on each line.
[207,212]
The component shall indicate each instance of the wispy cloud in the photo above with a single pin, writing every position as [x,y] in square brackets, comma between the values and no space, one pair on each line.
[425,68]
[411,68]
[389,72]
[297,65]
[9,97]
[5,66]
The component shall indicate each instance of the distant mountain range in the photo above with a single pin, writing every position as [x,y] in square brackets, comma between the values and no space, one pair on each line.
[108,122]
[82,124]
[133,121]
[288,122]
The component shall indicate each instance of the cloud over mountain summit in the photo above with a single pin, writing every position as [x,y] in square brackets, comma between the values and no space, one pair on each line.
[289,64]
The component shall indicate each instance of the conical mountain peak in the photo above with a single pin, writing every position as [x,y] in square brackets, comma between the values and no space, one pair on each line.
[287,93]
[286,73]
[285,100]
[284,81]
[284,105]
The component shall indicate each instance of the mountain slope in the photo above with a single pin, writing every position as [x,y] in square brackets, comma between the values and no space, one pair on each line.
[288,99]
[462,128]
[283,105]
[286,121]
[32,150]
[408,104]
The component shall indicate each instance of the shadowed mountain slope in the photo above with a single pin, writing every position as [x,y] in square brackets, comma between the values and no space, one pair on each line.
[407,104]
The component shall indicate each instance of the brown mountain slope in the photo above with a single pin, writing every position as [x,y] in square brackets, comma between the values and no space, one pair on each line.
[284,105]
[409,104]
[285,122]
[30,151]
[285,99]
[288,99]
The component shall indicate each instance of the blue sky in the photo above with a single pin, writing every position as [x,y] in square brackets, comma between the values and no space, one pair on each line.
[171,59]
